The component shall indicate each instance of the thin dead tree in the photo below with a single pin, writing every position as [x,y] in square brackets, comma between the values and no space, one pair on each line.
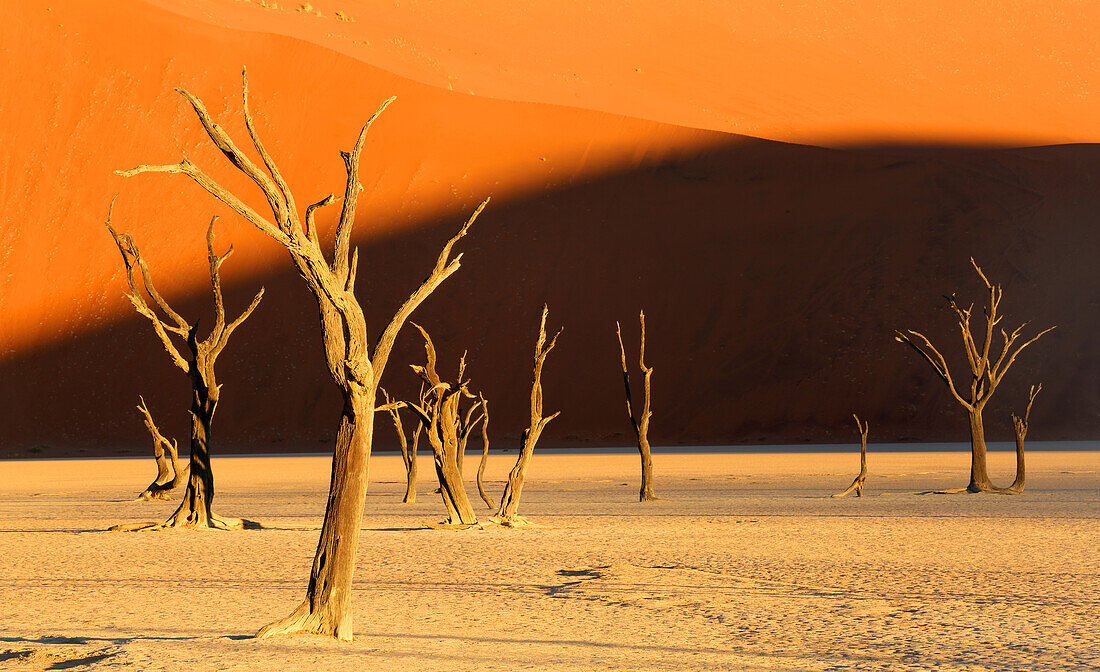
[440,417]
[354,368]
[169,473]
[202,354]
[640,423]
[408,455]
[1020,425]
[485,497]
[509,502]
[857,485]
[986,373]
[467,422]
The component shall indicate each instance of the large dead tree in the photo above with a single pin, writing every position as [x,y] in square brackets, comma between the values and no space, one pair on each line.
[408,454]
[857,484]
[1020,426]
[509,502]
[986,372]
[169,473]
[640,422]
[441,417]
[355,367]
[195,509]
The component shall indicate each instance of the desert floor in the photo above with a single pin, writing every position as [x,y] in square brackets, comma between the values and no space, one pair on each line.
[749,565]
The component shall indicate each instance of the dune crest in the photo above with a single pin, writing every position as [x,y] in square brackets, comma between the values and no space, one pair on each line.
[818,72]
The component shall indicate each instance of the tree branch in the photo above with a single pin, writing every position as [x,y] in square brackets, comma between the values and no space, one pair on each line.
[351,197]
[444,267]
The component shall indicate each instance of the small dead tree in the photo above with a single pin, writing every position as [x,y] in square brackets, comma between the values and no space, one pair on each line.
[857,485]
[1020,426]
[351,363]
[485,497]
[509,502]
[441,418]
[195,509]
[408,455]
[640,423]
[986,373]
[169,474]
[467,422]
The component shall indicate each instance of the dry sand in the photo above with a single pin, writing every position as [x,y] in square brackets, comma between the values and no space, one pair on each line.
[748,566]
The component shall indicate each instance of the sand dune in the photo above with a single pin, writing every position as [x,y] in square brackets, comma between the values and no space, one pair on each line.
[773,273]
[749,565]
[814,72]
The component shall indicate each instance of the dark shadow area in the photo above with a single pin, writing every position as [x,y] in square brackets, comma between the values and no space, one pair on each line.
[772,276]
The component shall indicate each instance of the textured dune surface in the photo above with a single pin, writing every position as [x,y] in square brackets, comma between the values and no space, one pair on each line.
[773,273]
[818,72]
[748,565]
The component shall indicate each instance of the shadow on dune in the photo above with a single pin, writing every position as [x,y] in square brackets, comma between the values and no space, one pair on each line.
[772,276]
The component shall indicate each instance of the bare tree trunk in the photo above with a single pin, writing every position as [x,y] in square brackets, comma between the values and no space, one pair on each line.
[507,513]
[407,458]
[1020,425]
[460,455]
[640,423]
[1018,483]
[410,469]
[163,482]
[857,485]
[484,457]
[169,475]
[460,512]
[326,609]
[194,510]
[979,474]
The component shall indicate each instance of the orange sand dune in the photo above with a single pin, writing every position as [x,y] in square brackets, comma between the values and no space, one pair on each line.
[773,274]
[820,72]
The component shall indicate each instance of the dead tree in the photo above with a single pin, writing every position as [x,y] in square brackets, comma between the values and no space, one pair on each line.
[195,509]
[466,425]
[408,455]
[1020,425]
[485,497]
[857,484]
[509,502]
[440,417]
[351,363]
[640,423]
[169,474]
[986,373]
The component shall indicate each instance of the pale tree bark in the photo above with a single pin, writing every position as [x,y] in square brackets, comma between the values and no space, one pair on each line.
[640,423]
[986,372]
[195,509]
[1020,425]
[441,417]
[857,485]
[408,455]
[507,513]
[485,497]
[353,367]
[467,422]
[169,473]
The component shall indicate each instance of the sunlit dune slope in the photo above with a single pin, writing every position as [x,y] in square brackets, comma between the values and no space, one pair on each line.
[819,72]
[772,274]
